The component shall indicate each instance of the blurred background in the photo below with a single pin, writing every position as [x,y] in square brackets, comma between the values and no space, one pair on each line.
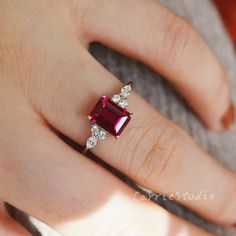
[227,10]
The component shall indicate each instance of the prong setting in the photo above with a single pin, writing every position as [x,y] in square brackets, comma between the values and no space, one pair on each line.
[131,83]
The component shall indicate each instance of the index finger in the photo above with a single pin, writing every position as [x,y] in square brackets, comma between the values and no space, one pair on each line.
[148,31]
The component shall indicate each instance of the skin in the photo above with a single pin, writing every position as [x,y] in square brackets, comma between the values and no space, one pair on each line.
[49,82]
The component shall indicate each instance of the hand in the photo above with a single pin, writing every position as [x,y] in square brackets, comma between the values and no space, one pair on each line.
[49,82]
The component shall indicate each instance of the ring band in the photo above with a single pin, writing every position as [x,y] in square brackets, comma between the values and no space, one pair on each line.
[109,116]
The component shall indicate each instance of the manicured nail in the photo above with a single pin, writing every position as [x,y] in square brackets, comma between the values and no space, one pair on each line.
[228,118]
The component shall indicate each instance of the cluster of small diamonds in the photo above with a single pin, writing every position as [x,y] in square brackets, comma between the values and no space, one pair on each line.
[97,133]
[121,98]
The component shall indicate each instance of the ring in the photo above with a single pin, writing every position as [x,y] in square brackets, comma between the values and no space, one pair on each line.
[109,116]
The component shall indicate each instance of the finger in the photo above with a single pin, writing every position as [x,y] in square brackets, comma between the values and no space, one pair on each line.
[61,187]
[153,151]
[148,31]
[8,226]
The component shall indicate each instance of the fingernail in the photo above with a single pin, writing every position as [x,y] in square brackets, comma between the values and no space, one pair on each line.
[228,118]
[232,228]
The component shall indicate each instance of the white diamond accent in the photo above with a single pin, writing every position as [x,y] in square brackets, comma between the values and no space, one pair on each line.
[120,100]
[94,130]
[102,134]
[126,90]
[116,98]
[98,132]
[123,103]
[91,142]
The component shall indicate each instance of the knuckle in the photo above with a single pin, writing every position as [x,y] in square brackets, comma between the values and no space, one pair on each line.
[156,153]
[177,37]
[90,10]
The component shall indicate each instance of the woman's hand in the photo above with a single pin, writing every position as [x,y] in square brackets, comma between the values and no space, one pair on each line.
[49,81]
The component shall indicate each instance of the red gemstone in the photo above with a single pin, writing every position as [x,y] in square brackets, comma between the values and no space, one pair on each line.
[110,116]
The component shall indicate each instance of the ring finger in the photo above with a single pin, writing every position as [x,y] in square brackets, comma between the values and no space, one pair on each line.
[153,151]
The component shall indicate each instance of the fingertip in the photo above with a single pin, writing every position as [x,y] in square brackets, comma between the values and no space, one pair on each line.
[228,118]
[226,121]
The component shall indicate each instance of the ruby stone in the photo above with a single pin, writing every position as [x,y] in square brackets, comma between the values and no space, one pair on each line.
[110,116]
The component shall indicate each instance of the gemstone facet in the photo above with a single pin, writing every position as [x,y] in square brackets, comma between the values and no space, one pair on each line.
[110,116]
